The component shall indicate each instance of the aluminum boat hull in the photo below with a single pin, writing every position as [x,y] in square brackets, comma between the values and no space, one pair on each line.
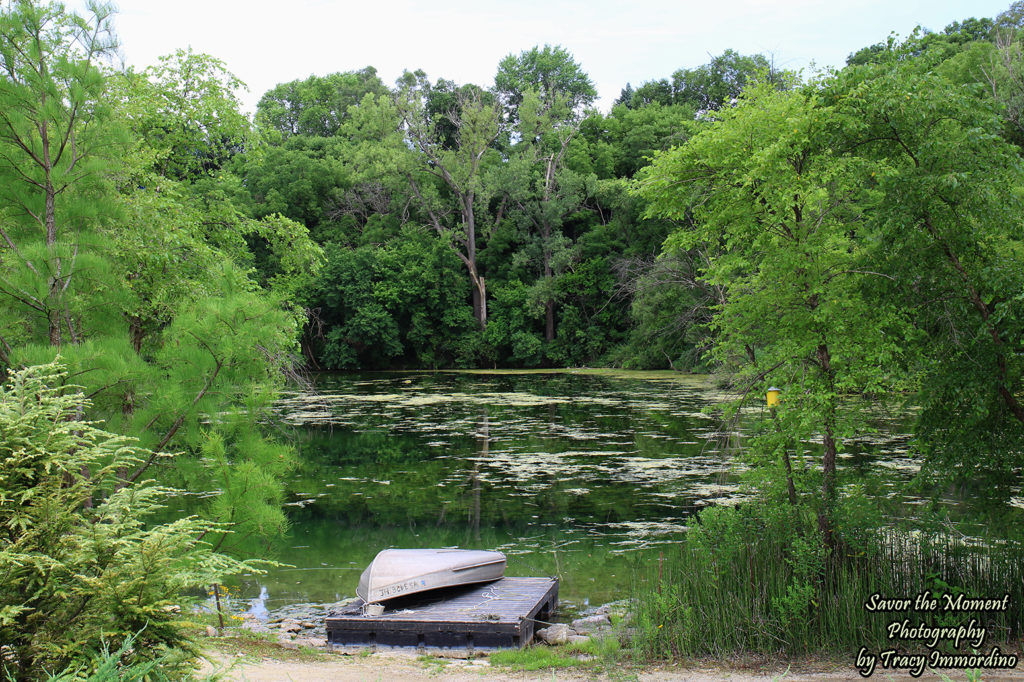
[399,572]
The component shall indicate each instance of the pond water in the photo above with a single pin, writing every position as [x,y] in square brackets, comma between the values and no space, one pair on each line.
[579,475]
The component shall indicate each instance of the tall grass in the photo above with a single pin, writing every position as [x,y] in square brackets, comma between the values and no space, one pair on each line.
[751,589]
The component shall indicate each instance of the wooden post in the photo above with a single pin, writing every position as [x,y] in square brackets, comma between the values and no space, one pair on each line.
[661,555]
[216,598]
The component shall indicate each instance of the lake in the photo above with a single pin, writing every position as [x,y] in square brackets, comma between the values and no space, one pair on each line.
[577,474]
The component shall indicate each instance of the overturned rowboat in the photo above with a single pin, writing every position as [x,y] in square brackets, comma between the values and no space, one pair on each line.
[400,572]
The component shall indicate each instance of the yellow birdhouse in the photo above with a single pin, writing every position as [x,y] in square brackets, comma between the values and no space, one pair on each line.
[773,397]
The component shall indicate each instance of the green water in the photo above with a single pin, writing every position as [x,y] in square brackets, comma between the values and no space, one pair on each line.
[576,475]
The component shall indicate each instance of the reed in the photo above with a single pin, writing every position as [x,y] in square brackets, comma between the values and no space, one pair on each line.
[752,590]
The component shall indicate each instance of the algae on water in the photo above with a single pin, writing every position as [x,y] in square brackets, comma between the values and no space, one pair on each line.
[576,473]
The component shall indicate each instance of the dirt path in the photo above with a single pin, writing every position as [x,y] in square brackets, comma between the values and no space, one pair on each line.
[386,667]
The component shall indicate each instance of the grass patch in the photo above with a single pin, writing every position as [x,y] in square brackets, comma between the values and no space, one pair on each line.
[255,646]
[248,635]
[537,658]
[606,649]
[433,664]
[596,652]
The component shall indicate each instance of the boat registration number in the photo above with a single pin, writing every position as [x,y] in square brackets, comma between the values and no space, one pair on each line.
[399,588]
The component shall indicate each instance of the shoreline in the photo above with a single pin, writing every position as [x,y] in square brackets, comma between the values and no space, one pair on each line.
[240,659]
[291,643]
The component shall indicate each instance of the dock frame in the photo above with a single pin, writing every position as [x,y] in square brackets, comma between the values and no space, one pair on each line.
[500,614]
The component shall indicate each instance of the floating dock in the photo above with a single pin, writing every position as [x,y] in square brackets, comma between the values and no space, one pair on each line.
[500,614]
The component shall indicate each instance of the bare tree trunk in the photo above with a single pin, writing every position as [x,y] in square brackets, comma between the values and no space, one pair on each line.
[482,294]
[479,302]
[51,210]
[479,299]
[479,287]
[549,304]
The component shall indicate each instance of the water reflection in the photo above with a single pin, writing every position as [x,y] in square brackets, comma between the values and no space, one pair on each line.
[258,606]
[570,475]
[483,440]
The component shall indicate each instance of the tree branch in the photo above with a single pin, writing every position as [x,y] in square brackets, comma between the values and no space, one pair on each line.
[176,425]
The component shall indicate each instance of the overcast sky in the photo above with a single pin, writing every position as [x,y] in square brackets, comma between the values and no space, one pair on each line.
[616,42]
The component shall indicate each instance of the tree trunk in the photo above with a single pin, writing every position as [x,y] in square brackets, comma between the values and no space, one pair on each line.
[51,212]
[549,320]
[136,332]
[479,288]
[50,220]
[53,320]
[482,318]
[790,486]
[479,300]
[549,304]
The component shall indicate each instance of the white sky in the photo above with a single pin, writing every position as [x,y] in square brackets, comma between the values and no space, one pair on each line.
[616,42]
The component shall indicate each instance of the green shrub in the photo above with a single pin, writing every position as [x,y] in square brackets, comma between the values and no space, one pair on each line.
[80,569]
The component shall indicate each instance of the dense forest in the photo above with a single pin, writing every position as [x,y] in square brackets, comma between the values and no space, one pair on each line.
[466,226]
[165,257]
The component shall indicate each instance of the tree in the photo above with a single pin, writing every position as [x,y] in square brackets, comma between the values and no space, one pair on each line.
[187,112]
[1011,19]
[541,193]
[1000,66]
[51,144]
[948,189]
[707,87]
[399,304]
[636,134]
[551,73]
[75,576]
[301,179]
[318,105]
[971,29]
[545,91]
[671,307]
[453,146]
[198,336]
[144,281]
[874,219]
[625,96]
[779,214]
[719,82]
[651,92]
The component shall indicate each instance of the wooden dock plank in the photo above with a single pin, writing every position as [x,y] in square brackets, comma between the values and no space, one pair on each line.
[497,614]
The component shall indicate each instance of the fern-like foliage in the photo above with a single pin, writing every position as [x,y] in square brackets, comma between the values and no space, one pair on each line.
[82,567]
